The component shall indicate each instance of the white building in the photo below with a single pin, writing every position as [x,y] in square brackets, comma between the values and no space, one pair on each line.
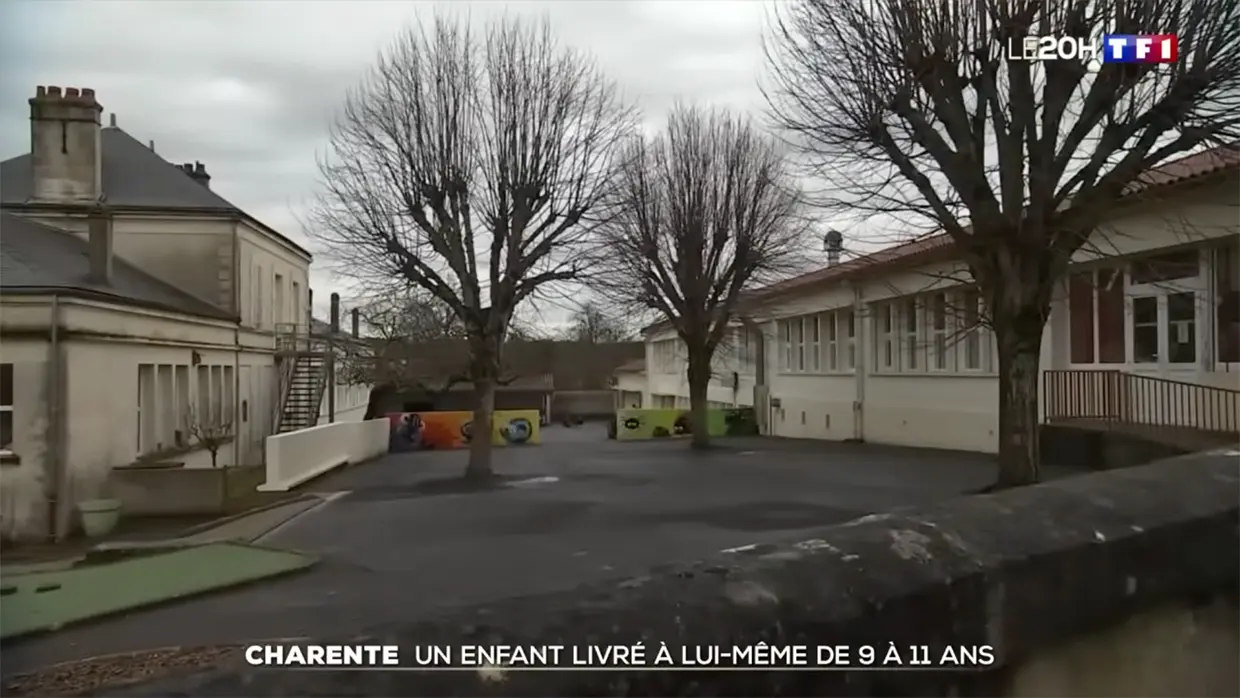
[136,304]
[888,349]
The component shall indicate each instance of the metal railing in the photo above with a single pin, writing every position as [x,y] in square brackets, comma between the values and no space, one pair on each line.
[1116,397]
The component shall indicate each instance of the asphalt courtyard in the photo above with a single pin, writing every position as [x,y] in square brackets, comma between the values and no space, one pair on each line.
[398,542]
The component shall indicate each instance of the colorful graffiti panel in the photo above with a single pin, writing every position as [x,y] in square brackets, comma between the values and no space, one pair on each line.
[633,424]
[420,431]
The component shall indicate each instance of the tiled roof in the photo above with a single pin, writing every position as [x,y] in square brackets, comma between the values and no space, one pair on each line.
[35,258]
[1194,166]
[133,176]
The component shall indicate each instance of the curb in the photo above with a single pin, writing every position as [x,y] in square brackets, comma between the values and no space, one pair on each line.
[199,528]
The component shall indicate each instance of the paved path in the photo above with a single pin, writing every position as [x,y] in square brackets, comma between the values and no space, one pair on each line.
[398,545]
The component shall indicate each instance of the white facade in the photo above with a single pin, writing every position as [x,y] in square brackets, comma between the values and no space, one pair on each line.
[896,355]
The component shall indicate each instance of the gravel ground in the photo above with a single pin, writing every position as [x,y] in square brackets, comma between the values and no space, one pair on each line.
[75,678]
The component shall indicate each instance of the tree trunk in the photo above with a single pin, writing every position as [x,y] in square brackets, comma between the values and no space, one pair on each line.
[480,447]
[699,383]
[1020,347]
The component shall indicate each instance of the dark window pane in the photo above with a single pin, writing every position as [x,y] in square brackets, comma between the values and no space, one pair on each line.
[1177,265]
[1145,329]
[1182,328]
[1081,317]
[6,430]
[1112,348]
[6,385]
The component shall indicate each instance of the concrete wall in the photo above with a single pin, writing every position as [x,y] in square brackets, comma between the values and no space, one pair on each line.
[298,456]
[1083,586]
[170,491]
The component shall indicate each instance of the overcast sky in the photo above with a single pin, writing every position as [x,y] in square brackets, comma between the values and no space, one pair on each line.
[248,88]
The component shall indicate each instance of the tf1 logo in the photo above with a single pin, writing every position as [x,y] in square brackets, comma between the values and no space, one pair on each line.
[1116,48]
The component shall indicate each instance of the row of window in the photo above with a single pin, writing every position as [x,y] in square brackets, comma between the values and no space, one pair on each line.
[170,404]
[824,342]
[938,332]
[260,301]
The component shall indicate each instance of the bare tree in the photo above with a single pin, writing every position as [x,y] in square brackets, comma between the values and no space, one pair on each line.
[594,325]
[209,432]
[911,110]
[706,210]
[471,167]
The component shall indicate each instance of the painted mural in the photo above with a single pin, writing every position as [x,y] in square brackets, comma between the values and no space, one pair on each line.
[633,424]
[422,431]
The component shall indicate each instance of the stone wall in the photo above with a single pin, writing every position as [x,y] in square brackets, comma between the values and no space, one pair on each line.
[1037,572]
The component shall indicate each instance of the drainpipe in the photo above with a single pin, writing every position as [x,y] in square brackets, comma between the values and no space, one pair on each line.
[55,484]
[861,327]
[236,412]
[761,391]
[331,358]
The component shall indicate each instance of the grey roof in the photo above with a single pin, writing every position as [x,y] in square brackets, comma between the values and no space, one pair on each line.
[36,258]
[133,175]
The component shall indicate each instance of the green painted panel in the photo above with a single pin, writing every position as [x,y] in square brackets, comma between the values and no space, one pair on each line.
[92,591]
[635,424]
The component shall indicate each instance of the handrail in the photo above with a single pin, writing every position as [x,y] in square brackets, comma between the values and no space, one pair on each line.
[1116,397]
[287,366]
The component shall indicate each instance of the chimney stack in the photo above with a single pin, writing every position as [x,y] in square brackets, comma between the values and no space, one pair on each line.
[309,307]
[833,243]
[99,245]
[335,312]
[197,172]
[65,148]
[112,120]
[357,322]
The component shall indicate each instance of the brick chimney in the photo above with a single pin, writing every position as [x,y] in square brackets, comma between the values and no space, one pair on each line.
[197,172]
[65,145]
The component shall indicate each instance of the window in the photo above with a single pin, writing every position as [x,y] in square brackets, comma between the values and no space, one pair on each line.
[850,321]
[886,336]
[1182,328]
[297,319]
[938,330]
[912,347]
[798,345]
[1166,267]
[1081,317]
[970,304]
[785,339]
[163,406]
[1145,329]
[832,342]
[6,408]
[1112,347]
[277,308]
[1227,315]
[814,329]
[257,299]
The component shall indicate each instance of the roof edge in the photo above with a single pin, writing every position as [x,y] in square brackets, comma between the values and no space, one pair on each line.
[92,294]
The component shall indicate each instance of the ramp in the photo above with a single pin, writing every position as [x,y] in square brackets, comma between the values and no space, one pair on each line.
[43,601]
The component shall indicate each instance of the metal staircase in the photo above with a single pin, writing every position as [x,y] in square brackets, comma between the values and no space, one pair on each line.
[303,393]
[304,366]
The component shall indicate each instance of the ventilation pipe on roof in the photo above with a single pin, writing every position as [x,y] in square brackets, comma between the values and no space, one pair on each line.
[833,244]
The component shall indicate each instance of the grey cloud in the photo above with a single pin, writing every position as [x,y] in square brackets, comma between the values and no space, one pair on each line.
[250,87]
